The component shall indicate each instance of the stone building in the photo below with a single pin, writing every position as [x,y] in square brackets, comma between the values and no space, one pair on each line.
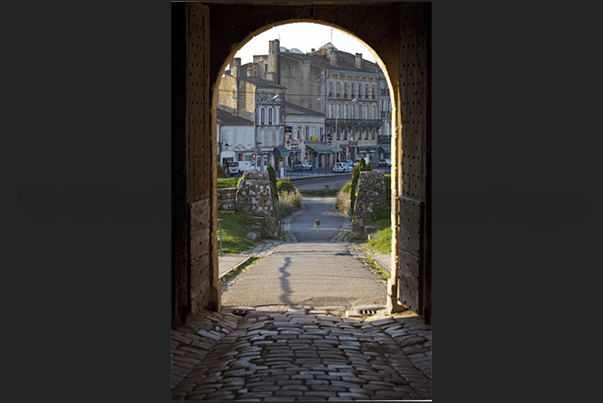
[259,101]
[235,138]
[307,138]
[350,91]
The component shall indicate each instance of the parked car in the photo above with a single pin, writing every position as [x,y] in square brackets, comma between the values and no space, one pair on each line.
[341,167]
[240,167]
[301,166]
[385,162]
[351,163]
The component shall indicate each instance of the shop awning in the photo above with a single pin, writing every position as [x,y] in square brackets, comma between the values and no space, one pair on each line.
[320,148]
[281,152]
[386,149]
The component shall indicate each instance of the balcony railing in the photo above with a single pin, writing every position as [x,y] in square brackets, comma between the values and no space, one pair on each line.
[354,122]
[384,139]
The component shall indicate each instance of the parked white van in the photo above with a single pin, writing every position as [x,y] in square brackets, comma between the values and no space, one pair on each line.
[240,167]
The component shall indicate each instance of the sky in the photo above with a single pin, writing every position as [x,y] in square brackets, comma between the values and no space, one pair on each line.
[303,36]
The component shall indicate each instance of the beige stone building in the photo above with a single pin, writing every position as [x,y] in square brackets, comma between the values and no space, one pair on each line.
[261,102]
[235,138]
[351,92]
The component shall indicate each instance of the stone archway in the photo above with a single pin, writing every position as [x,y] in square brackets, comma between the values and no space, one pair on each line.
[205,36]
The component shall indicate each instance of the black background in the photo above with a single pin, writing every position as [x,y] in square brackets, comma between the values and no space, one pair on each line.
[86,297]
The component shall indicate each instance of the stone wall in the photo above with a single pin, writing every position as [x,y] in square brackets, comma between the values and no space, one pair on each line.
[254,197]
[226,199]
[371,193]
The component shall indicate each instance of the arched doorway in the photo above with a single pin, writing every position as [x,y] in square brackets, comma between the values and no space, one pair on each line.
[205,36]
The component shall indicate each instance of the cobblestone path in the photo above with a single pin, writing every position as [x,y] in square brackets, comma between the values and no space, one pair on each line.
[282,353]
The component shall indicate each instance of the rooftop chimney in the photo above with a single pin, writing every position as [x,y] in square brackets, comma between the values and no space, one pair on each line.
[358,60]
[234,67]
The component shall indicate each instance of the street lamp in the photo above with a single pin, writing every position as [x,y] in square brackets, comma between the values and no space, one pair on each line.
[255,129]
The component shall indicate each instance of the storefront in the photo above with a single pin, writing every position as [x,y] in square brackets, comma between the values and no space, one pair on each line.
[369,151]
[320,155]
[386,151]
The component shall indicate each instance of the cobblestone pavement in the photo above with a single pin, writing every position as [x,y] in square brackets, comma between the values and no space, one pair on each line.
[301,353]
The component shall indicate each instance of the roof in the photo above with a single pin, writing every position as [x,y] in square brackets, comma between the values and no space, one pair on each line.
[292,109]
[260,82]
[345,61]
[228,119]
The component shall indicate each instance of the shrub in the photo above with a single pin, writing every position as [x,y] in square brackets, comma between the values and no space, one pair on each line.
[287,202]
[361,166]
[342,203]
[381,212]
[346,188]
[272,178]
[284,186]
[222,171]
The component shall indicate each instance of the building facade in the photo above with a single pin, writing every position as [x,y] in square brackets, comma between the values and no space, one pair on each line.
[259,101]
[305,136]
[235,138]
[351,92]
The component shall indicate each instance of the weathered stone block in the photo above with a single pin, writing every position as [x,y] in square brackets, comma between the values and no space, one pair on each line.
[254,197]
[371,193]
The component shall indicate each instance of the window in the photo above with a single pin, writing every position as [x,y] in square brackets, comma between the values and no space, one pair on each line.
[261,116]
[373,134]
[307,130]
[270,116]
[345,134]
[249,137]
[240,137]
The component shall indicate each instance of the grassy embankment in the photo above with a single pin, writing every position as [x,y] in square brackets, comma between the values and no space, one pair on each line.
[236,226]
[381,218]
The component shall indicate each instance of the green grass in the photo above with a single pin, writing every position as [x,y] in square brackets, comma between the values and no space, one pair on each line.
[382,242]
[233,273]
[234,232]
[228,182]
[380,273]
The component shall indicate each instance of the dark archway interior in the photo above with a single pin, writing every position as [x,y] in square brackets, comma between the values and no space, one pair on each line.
[205,36]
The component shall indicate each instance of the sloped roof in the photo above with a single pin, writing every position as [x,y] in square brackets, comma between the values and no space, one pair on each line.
[292,109]
[228,119]
[260,82]
[345,61]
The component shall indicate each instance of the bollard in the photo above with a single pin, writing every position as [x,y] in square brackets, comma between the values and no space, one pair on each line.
[316,223]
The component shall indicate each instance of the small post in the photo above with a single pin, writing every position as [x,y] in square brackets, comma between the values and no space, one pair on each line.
[316,223]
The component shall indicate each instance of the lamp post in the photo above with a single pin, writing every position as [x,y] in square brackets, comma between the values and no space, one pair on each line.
[255,128]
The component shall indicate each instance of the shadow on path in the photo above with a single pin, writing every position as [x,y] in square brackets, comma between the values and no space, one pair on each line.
[285,286]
